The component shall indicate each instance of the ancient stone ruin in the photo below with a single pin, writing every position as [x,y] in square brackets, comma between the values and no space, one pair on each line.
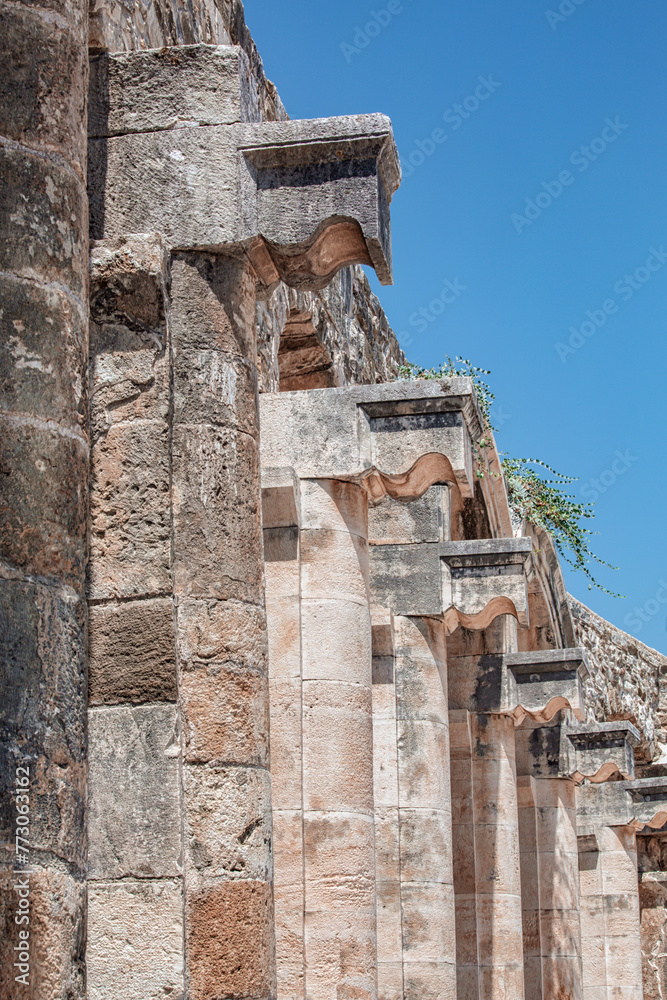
[290,708]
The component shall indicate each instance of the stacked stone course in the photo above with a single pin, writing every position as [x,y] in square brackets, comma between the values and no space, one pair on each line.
[305,715]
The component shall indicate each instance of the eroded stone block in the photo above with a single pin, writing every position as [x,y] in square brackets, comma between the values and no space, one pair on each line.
[134,821]
[135,940]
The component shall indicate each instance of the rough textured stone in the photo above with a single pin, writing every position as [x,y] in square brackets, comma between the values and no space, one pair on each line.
[42,719]
[135,934]
[134,822]
[130,543]
[230,935]
[132,655]
[228,822]
[57,936]
[43,341]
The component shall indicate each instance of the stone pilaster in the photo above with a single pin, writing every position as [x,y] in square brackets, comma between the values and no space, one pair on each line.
[44,457]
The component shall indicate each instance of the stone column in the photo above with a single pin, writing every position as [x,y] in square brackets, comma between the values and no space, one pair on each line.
[339,858]
[425,811]
[610,919]
[221,630]
[474,662]
[44,487]
[282,564]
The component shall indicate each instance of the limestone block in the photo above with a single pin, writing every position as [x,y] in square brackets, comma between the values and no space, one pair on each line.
[385,762]
[43,513]
[428,922]
[649,802]
[281,498]
[336,640]
[340,950]
[289,900]
[337,747]
[423,750]
[229,927]
[228,821]
[223,681]
[216,388]
[339,862]
[169,88]
[283,616]
[132,654]
[42,715]
[334,565]
[480,572]
[541,683]
[286,753]
[42,342]
[598,750]
[328,434]
[430,981]
[134,824]
[130,524]
[212,305]
[36,196]
[129,362]
[387,849]
[426,845]
[294,182]
[57,936]
[389,920]
[135,939]
[399,522]
[390,980]
[334,505]
[217,546]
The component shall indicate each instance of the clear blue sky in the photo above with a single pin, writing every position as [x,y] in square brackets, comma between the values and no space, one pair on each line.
[581,95]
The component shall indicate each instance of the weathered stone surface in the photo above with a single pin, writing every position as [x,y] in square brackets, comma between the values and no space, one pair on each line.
[43,513]
[170,88]
[43,70]
[228,822]
[42,342]
[217,549]
[132,654]
[130,531]
[42,719]
[653,904]
[129,364]
[298,192]
[211,387]
[153,24]
[35,197]
[134,800]
[230,940]
[348,321]
[135,939]
[626,677]
[337,753]
[57,936]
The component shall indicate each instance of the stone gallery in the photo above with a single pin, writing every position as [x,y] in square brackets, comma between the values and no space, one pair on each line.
[291,707]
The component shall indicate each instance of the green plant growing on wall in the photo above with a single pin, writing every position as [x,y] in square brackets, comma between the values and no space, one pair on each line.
[542,502]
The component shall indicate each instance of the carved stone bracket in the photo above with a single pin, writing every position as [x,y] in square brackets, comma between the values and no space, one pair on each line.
[599,751]
[395,439]
[538,685]
[301,198]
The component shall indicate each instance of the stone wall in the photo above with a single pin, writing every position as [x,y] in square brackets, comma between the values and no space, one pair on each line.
[625,676]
